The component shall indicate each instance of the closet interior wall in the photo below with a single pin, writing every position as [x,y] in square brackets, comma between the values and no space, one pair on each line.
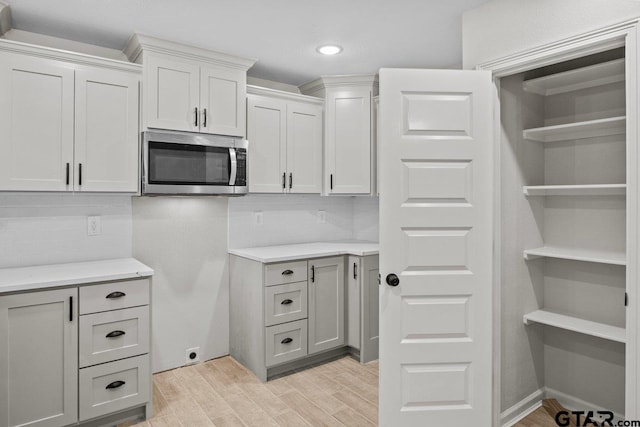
[556,362]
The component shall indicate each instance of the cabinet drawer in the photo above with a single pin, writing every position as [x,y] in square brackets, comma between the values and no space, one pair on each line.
[285,272]
[114,386]
[113,335]
[286,342]
[285,303]
[114,296]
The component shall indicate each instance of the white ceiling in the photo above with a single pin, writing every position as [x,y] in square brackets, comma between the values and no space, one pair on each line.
[281,34]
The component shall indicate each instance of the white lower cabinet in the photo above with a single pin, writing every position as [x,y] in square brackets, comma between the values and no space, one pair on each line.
[38,358]
[363,305]
[287,315]
[46,336]
[326,304]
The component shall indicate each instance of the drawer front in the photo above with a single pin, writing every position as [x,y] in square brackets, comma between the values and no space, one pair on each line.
[286,342]
[285,303]
[114,296]
[105,337]
[114,386]
[285,272]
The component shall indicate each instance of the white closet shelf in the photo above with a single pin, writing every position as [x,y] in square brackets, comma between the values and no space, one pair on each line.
[579,130]
[576,190]
[600,257]
[575,324]
[580,78]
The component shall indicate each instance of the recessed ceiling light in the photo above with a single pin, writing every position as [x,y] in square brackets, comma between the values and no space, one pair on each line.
[329,49]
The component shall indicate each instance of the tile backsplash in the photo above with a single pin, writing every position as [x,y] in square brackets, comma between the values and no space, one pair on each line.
[52,228]
[264,220]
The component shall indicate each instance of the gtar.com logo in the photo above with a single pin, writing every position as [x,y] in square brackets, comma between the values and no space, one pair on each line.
[585,418]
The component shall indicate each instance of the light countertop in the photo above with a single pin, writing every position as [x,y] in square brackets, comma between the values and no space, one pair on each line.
[268,254]
[77,273]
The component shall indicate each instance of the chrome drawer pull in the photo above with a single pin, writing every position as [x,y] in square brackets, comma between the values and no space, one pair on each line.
[287,301]
[116,294]
[115,384]
[115,334]
[286,341]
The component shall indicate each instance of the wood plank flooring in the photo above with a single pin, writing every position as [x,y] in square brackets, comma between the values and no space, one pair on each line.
[221,392]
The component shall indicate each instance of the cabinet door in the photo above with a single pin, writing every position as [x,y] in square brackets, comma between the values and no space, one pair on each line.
[39,358]
[223,101]
[36,124]
[304,148]
[348,139]
[266,133]
[106,139]
[326,304]
[354,280]
[172,95]
[369,308]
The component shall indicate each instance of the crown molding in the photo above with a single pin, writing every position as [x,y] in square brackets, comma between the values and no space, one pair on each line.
[67,56]
[281,94]
[139,43]
[325,82]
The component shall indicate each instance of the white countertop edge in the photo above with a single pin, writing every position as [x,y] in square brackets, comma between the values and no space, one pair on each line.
[294,252]
[55,275]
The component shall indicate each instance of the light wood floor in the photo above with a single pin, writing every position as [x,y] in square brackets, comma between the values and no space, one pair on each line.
[222,392]
[538,418]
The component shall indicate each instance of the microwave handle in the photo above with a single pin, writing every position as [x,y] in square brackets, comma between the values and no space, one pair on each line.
[234,166]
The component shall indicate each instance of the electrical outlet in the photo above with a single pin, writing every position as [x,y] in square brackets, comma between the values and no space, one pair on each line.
[94,226]
[192,355]
[257,217]
[322,217]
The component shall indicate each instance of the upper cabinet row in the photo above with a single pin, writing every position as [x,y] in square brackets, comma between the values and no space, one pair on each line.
[285,133]
[191,89]
[68,122]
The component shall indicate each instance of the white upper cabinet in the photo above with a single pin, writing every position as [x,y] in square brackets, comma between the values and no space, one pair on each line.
[285,142]
[106,136]
[191,89]
[36,123]
[349,152]
[173,102]
[67,125]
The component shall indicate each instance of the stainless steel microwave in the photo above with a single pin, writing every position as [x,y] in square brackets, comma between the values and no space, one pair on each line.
[190,163]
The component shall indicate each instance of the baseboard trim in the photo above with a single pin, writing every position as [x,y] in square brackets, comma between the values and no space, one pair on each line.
[573,403]
[521,409]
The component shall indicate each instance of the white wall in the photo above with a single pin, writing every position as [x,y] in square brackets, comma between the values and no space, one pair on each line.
[184,239]
[52,228]
[294,218]
[503,27]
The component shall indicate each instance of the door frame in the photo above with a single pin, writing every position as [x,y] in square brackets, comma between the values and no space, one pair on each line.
[624,34]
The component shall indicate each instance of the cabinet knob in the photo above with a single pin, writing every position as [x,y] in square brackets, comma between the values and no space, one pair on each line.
[286,302]
[287,272]
[286,340]
[392,280]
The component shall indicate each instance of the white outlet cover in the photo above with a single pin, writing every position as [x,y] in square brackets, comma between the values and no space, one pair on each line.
[322,217]
[188,351]
[257,218]
[94,226]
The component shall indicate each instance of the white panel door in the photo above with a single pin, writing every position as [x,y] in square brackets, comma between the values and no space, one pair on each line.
[436,236]
[223,101]
[36,124]
[106,139]
[266,133]
[326,304]
[304,148]
[39,358]
[348,166]
[172,94]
